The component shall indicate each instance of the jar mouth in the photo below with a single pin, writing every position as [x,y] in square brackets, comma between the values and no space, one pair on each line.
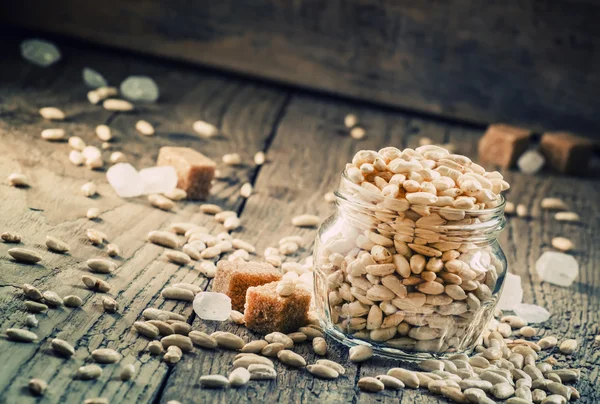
[478,226]
[497,210]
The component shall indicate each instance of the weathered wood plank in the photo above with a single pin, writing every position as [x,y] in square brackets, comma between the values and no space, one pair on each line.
[510,61]
[307,148]
[245,112]
[574,310]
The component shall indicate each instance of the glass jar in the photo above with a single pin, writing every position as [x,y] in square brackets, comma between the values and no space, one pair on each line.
[411,281]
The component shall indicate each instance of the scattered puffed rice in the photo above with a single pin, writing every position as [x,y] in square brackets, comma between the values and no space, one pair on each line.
[113,250]
[145,128]
[357,133]
[77,143]
[232,223]
[224,215]
[562,243]
[306,221]
[232,159]
[176,194]
[93,157]
[259,158]
[159,201]
[104,133]
[93,97]
[114,104]
[288,248]
[274,260]
[350,120]
[52,113]
[210,209]
[568,346]
[18,180]
[208,269]
[205,129]
[509,208]
[285,287]
[53,134]
[567,217]
[89,189]
[117,157]
[76,158]
[246,190]
[92,213]
[101,93]
[554,204]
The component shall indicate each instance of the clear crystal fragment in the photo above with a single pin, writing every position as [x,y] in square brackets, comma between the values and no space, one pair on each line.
[93,79]
[531,313]
[158,180]
[212,306]
[512,292]
[40,52]
[557,268]
[125,180]
[140,88]
[531,162]
[307,279]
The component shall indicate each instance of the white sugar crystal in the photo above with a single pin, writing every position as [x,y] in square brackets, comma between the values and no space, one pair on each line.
[93,79]
[531,162]
[531,313]
[125,180]
[212,306]
[158,180]
[557,268]
[512,292]
[139,88]
[40,52]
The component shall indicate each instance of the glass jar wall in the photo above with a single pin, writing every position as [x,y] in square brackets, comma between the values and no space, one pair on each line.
[411,281]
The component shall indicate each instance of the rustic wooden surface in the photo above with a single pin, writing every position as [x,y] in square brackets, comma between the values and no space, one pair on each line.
[307,147]
[530,62]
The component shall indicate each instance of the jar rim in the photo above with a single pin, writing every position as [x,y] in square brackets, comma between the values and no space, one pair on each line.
[499,209]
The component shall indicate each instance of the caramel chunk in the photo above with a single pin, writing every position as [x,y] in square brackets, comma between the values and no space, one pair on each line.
[566,152]
[266,311]
[234,277]
[195,170]
[502,145]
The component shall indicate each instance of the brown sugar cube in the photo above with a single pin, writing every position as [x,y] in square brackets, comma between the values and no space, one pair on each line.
[266,311]
[566,152]
[194,170]
[234,277]
[502,145]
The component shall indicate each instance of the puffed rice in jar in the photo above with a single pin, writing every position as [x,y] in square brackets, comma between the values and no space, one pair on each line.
[410,262]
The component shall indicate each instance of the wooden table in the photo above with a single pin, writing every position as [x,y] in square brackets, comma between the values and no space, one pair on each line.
[306,146]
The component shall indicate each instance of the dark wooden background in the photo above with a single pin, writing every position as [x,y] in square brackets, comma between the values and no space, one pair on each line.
[532,62]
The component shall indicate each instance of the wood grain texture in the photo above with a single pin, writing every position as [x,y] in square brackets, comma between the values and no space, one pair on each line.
[53,205]
[309,148]
[575,310]
[525,62]
[306,146]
